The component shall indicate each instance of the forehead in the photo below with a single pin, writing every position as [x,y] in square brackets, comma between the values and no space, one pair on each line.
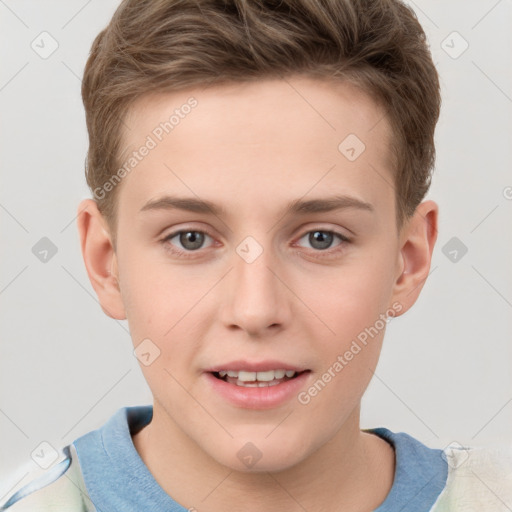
[277,137]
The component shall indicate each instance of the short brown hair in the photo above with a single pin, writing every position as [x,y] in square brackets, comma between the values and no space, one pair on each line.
[153,46]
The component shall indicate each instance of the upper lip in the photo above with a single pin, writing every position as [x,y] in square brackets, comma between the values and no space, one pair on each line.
[255,366]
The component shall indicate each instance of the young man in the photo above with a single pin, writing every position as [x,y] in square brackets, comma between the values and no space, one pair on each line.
[258,170]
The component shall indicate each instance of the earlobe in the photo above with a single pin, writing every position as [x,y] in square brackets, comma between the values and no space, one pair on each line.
[100,258]
[417,245]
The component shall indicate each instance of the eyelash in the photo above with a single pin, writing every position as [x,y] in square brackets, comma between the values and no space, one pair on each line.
[188,254]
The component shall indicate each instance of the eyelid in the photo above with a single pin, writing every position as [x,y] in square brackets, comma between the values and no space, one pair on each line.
[336,230]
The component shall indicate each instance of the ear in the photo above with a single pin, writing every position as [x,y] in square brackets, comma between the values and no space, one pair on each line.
[417,242]
[100,258]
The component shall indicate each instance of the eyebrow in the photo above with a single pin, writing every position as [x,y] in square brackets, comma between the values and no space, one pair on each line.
[298,206]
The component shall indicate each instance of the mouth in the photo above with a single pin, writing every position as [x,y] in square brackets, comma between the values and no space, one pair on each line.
[259,379]
[257,384]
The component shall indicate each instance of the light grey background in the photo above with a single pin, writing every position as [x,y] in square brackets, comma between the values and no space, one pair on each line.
[65,368]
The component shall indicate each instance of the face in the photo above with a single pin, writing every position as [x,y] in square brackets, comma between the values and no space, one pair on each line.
[257,236]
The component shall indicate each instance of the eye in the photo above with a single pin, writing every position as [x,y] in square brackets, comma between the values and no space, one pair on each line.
[322,239]
[190,240]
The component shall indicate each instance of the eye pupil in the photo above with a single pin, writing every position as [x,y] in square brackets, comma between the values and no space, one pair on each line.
[323,238]
[191,239]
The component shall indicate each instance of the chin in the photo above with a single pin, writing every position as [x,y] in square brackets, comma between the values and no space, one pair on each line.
[257,454]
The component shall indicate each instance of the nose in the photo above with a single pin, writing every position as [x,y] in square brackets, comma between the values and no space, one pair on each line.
[255,299]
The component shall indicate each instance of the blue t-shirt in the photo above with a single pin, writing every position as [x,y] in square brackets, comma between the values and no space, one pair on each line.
[105,473]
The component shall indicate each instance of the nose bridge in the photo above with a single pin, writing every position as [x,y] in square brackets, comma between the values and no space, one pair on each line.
[257,300]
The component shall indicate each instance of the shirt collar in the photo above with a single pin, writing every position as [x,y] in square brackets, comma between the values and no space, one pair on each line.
[420,473]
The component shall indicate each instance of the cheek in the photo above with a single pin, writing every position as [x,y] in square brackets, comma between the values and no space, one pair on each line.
[157,297]
[353,304]
[351,298]
[164,305]
[341,380]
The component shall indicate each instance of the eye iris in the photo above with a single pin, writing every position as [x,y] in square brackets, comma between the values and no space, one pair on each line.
[323,238]
[191,239]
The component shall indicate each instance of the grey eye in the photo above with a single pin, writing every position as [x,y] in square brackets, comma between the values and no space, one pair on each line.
[322,239]
[190,240]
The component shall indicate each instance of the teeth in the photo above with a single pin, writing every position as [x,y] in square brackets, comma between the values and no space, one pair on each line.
[246,376]
[264,377]
[256,384]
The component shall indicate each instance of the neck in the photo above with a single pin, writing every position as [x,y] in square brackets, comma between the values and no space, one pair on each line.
[353,471]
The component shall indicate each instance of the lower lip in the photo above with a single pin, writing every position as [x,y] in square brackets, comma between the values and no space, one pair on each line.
[258,398]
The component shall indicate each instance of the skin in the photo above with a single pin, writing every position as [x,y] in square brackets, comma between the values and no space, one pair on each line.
[252,148]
